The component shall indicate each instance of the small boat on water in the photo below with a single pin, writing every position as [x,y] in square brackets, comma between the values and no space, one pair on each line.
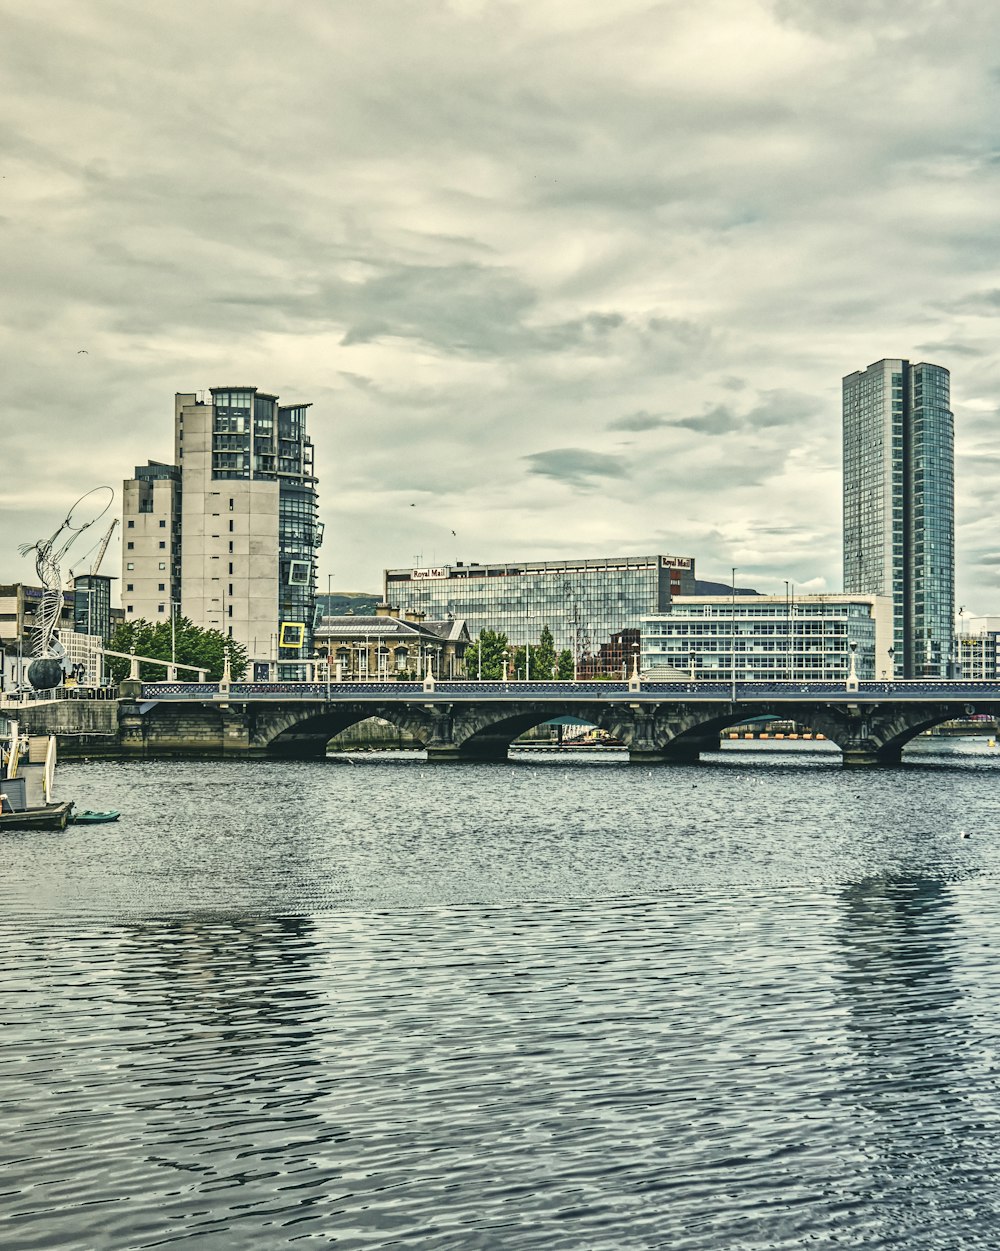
[27,778]
[87,817]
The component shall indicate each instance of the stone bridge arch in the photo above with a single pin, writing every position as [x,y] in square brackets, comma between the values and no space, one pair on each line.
[304,733]
[875,734]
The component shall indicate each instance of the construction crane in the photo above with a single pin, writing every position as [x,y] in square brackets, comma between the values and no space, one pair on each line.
[101,548]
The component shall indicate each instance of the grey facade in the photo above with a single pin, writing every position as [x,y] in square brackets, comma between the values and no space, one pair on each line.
[899,505]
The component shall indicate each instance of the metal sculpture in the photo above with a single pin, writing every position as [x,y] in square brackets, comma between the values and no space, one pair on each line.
[48,558]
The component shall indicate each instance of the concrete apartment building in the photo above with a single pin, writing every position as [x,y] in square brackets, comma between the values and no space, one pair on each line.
[227,535]
[151,532]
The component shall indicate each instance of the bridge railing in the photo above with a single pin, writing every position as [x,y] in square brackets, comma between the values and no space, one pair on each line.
[745,692]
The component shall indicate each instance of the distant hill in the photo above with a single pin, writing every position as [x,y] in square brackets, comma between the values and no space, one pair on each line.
[340,603]
[721,588]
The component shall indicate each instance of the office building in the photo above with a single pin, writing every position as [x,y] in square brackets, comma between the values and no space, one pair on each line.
[584,603]
[899,509]
[770,638]
[227,535]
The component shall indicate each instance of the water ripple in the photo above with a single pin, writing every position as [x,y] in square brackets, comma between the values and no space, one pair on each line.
[503,1007]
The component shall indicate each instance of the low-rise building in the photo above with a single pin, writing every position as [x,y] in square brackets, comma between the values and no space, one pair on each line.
[977,647]
[810,638]
[389,645]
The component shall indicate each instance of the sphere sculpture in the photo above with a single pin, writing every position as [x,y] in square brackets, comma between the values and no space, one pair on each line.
[45,673]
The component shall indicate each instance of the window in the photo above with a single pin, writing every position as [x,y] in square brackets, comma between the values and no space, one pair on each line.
[129,586]
[162,546]
[163,525]
[160,608]
[231,502]
[230,525]
[230,588]
[131,525]
[130,545]
[230,545]
[163,564]
[161,586]
[128,607]
[230,574]
[230,610]
[129,565]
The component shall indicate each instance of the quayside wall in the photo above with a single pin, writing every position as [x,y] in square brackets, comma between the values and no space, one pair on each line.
[84,729]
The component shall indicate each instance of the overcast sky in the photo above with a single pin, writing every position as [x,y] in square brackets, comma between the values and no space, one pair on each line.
[568,277]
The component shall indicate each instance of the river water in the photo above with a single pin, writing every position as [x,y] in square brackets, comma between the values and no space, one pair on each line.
[544,1004]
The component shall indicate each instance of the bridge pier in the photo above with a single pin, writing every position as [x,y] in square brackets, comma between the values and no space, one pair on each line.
[862,755]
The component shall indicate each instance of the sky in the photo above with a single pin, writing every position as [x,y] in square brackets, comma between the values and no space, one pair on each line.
[562,278]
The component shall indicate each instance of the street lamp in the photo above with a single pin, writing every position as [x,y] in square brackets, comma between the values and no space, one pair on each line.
[789,635]
[732,623]
[506,665]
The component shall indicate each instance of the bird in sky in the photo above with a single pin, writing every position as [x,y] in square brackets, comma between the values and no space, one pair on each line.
[82,352]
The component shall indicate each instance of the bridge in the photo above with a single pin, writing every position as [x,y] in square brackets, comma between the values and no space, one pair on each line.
[871,722]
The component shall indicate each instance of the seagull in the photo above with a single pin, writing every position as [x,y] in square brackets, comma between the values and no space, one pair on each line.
[453,532]
[82,352]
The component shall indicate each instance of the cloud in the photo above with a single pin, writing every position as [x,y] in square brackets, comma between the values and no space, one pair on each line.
[486,241]
[638,422]
[775,408]
[575,466]
[718,419]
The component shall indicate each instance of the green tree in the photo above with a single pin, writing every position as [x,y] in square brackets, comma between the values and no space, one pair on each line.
[543,657]
[565,666]
[492,644]
[188,643]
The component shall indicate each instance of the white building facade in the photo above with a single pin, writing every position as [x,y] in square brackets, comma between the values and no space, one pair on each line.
[977,647]
[771,638]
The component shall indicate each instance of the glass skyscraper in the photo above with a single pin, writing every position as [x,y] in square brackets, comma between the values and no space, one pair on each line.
[899,505]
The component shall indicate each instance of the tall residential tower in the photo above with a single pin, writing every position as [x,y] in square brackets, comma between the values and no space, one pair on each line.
[899,506]
[227,535]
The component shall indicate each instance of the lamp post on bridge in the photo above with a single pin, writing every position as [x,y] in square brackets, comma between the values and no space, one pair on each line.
[732,626]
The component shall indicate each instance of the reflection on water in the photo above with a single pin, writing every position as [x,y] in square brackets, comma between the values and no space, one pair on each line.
[504,1006]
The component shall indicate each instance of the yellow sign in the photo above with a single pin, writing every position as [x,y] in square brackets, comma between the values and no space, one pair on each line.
[293,634]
